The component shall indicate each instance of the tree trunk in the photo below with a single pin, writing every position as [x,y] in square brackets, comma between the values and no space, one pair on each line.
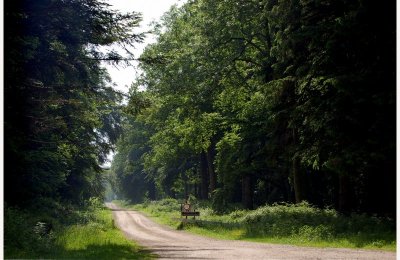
[211,172]
[297,175]
[344,202]
[152,190]
[298,181]
[203,176]
[247,194]
[186,185]
[196,191]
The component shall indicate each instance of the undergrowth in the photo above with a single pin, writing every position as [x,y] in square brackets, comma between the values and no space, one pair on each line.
[66,233]
[297,224]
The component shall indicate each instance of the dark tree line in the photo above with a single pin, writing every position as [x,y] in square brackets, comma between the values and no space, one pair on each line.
[61,113]
[266,101]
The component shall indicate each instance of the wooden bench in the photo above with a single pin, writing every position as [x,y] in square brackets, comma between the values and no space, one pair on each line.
[188,211]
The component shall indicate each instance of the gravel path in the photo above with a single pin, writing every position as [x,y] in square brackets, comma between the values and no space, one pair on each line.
[174,244]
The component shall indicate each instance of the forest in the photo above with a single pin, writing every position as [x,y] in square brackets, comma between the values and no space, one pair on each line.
[265,101]
[61,120]
[61,112]
[249,102]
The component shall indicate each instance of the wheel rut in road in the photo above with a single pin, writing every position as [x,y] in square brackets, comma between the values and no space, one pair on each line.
[168,243]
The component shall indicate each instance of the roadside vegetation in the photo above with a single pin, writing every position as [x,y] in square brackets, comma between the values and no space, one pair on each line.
[67,234]
[296,224]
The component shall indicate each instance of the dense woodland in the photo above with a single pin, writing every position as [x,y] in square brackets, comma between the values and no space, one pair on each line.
[265,101]
[61,113]
[239,104]
[251,102]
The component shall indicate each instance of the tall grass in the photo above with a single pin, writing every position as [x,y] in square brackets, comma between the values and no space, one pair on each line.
[97,239]
[298,224]
[87,234]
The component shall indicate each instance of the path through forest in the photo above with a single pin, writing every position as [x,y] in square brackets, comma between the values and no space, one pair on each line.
[175,244]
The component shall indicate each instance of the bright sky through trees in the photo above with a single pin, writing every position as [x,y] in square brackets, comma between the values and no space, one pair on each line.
[151,11]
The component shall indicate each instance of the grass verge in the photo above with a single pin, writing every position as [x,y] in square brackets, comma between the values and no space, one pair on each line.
[299,224]
[88,235]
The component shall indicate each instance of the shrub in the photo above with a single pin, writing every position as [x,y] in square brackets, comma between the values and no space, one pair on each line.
[218,201]
[312,224]
[25,232]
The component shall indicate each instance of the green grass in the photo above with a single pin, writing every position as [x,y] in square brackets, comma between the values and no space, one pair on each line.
[299,224]
[98,239]
[92,237]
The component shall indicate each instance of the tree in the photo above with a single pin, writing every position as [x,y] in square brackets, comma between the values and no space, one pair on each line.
[60,110]
[270,101]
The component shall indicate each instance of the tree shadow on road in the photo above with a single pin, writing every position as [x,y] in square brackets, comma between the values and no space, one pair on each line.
[107,251]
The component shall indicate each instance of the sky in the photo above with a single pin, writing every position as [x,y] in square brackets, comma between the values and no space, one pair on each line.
[151,11]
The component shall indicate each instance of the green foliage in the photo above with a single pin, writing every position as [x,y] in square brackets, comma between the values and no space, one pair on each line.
[268,101]
[127,172]
[24,234]
[61,113]
[306,223]
[87,233]
[98,239]
[219,202]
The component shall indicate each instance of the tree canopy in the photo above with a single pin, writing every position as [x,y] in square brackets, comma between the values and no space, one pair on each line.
[61,113]
[266,101]
[256,102]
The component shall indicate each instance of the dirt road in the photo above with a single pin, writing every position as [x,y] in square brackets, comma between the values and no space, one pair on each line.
[174,244]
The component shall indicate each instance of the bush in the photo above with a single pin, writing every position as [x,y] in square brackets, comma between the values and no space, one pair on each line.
[33,233]
[168,203]
[317,233]
[25,232]
[218,201]
[313,224]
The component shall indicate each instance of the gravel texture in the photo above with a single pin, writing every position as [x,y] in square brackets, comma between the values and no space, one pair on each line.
[175,244]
